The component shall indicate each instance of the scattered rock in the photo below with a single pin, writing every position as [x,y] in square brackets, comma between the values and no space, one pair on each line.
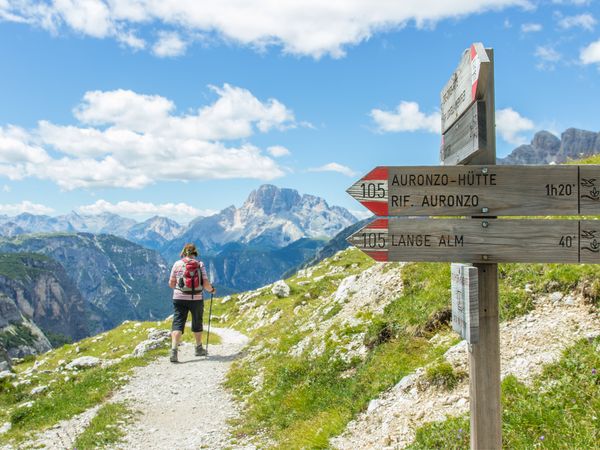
[528,344]
[83,362]
[6,374]
[5,427]
[225,299]
[38,390]
[373,404]
[281,289]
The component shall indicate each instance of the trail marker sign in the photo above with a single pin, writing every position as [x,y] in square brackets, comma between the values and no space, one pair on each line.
[466,137]
[480,240]
[475,190]
[467,84]
[465,301]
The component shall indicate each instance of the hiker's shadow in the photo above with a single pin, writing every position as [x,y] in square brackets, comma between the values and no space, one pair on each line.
[218,358]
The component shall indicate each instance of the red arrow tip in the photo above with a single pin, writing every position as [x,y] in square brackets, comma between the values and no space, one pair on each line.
[379,224]
[378,173]
[378,256]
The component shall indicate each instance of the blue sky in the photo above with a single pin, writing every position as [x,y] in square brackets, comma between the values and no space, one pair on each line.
[179,108]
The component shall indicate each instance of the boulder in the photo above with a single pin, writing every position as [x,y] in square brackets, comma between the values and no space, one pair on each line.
[155,340]
[84,362]
[5,362]
[281,289]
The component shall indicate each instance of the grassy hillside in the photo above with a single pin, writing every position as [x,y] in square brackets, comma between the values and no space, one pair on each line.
[64,393]
[560,410]
[301,395]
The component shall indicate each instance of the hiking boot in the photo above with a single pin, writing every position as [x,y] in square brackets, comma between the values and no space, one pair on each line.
[200,351]
[173,357]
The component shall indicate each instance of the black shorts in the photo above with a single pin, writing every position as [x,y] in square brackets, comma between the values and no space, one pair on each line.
[180,313]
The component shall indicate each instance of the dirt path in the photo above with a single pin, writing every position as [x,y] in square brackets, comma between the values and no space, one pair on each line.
[180,405]
[183,405]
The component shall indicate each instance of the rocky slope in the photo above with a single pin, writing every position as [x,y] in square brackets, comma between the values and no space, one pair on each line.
[545,148]
[19,336]
[41,290]
[117,278]
[528,343]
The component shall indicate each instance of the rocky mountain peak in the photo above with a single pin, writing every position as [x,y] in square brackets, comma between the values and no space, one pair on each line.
[546,141]
[546,148]
[272,200]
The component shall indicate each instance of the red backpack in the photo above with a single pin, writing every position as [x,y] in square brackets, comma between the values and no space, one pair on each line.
[191,280]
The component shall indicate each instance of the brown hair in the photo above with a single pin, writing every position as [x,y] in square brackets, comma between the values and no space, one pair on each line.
[188,250]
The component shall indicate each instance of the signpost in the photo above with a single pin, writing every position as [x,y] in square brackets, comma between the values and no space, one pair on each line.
[480,240]
[465,301]
[467,84]
[466,137]
[480,190]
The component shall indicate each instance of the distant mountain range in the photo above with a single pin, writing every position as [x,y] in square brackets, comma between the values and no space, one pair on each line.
[70,276]
[546,148]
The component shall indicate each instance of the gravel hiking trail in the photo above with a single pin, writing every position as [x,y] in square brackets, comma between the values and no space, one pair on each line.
[183,405]
[178,405]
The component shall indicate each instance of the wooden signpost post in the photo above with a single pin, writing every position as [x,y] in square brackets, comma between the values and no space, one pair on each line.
[481,191]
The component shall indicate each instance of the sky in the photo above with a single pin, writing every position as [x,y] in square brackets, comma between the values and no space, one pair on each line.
[181,108]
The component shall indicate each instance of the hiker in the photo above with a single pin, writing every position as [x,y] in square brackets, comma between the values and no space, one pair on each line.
[188,277]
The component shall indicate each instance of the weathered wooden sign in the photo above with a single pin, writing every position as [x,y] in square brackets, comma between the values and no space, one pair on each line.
[480,240]
[466,84]
[465,301]
[480,190]
[466,137]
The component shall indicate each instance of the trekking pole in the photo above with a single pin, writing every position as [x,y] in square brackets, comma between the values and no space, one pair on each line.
[209,314]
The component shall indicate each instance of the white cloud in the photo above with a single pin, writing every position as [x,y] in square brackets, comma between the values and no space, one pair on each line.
[591,53]
[547,57]
[24,207]
[169,44]
[547,53]
[132,140]
[334,167]
[510,124]
[406,117]
[6,188]
[585,21]
[145,209]
[571,2]
[131,40]
[531,27]
[278,151]
[312,27]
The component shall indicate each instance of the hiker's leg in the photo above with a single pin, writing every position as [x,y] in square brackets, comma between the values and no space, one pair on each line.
[179,318]
[175,338]
[197,309]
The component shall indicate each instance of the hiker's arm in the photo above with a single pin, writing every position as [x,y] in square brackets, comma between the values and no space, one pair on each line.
[209,287]
[172,278]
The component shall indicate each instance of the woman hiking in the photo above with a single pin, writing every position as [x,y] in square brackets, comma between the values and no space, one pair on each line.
[188,279]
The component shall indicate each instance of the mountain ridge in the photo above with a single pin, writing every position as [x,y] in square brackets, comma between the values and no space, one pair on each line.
[546,148]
